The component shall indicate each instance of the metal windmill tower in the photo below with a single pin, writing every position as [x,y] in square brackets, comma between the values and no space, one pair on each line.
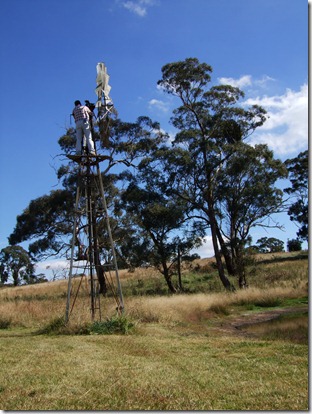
[93,262]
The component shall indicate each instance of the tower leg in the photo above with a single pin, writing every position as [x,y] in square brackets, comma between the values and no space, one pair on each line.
[72,257]
[121,304]
[90,193]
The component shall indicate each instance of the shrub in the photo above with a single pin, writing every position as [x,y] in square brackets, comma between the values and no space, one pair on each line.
[294,245]
[114,325]
[219,309]
[268,302]
[56,326]
[5,323]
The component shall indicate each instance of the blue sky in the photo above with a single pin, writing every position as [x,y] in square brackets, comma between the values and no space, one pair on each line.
[50,49]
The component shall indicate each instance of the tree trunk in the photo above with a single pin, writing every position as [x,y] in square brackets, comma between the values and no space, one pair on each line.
[168,278]
[97,262]
[170,284]
[240,266]
[179,270]
[15,277]
[213,226]
[230,267]
[242,281]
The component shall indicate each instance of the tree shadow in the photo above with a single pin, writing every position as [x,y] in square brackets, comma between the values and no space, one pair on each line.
[280,259]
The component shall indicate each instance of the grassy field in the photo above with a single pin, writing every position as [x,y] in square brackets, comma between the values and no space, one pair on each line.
[200,350]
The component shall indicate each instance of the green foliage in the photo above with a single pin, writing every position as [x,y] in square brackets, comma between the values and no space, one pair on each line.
[182,77]
[5,323]
[262,302]
[68,141]
[157,217]
[54,327]
[294,245]
[296,301]
[270,245]
[16,264]
[269,302]
[49,218]
[145,287]
[298,168]
[229,184]
[115,325]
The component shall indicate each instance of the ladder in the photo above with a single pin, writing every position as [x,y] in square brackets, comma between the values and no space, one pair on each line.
[90,219]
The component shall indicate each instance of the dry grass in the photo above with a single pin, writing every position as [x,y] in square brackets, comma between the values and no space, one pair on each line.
[193,307]
[175,360]
[36,305]
[37,311]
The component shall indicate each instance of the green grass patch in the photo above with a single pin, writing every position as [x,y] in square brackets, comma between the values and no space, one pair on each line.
[157,369]
[295,301]
[115,325]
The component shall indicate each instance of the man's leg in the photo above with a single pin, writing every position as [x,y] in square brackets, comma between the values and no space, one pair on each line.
[88,135]
[79,136]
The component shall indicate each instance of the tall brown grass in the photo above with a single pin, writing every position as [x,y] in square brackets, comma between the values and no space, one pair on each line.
[35,305]
[191,307]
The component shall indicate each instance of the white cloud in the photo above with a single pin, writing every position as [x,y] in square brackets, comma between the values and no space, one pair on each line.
[286,130]
[138,7]
[161,106]
[246,80]
[243,81]
[262,82]
[206,250]
[53,264]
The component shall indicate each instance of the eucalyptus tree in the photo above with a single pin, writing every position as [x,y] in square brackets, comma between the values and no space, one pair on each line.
[298,169]
[164,231]
[16,264]
[247,197]
[206,152]
[270,245]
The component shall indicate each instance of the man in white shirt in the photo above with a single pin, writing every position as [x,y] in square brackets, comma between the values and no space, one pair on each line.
[82,116]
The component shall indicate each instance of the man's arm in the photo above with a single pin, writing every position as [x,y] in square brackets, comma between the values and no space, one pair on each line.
[90,113]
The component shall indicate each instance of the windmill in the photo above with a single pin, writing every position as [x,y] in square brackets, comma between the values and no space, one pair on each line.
[93,259]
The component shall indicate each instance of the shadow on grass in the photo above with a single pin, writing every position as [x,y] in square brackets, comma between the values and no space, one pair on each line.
[292,327]
[118,325]
[281,259]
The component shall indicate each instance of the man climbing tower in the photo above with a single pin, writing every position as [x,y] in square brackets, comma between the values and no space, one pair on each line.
[82,116]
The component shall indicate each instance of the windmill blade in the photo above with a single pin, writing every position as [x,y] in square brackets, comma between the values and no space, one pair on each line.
[102,89]
[101,79]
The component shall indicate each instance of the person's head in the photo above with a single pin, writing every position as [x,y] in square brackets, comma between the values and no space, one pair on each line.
[77,103]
